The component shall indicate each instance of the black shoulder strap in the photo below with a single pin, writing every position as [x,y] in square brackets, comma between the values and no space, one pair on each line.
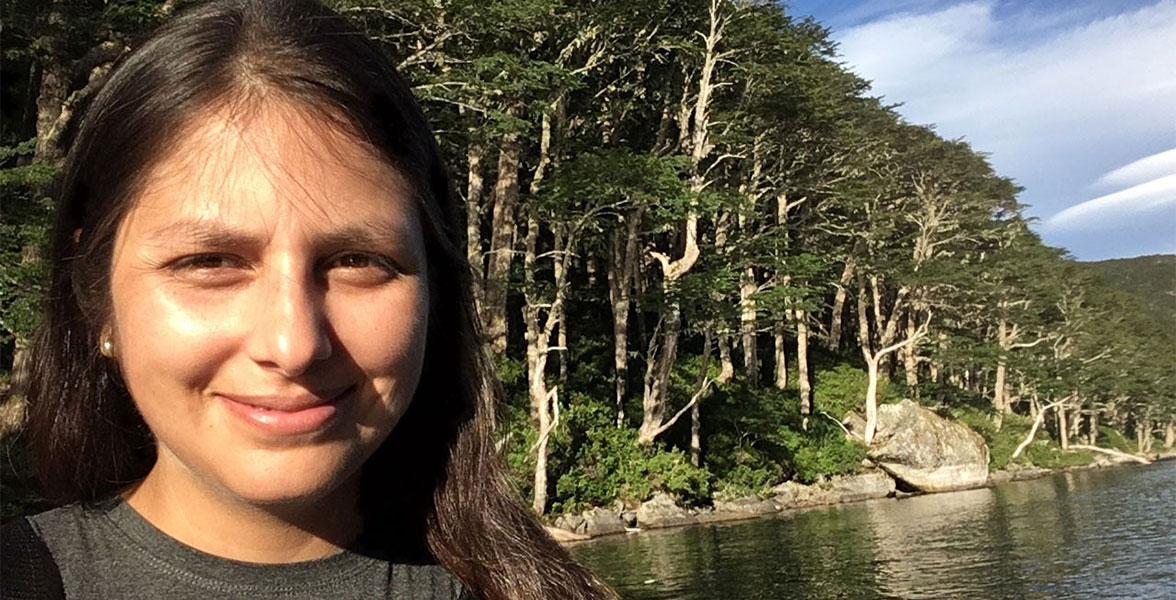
[27,569]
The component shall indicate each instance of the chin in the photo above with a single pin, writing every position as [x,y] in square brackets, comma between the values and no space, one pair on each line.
[291,483]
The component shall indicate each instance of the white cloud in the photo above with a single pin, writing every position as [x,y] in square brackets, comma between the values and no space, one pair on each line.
[1056,99]
[1135,200]
[963,69]
[1144,169]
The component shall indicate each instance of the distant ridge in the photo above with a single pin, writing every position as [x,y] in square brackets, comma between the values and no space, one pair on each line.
[1150,279]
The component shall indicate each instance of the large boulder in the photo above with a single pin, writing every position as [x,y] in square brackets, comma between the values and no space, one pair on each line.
[926,451]
[662,511]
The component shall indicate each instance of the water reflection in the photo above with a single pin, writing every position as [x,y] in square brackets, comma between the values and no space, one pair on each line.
[1092,534]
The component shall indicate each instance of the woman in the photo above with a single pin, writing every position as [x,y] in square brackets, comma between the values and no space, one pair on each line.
[258,374]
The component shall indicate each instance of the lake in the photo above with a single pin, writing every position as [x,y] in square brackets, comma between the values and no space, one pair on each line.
[1082,534]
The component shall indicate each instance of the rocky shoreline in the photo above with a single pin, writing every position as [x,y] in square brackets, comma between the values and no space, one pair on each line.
[662,512]
[915,452]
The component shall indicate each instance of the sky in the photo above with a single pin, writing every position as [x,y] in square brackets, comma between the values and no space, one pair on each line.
[1074,100]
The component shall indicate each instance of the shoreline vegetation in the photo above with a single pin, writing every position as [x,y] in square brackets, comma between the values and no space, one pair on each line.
[871,484]
[698,242]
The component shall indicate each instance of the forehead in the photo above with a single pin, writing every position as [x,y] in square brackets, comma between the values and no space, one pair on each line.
[272,161]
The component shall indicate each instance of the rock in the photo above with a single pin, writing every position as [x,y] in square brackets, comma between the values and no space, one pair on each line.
[602,521]
[791,494]
[1016,472]
[862,486]
[563,535]
[592,523]
[572,523]
[926,451]
[842,488]
[751,505]
[661,511]
[856,424]
[629,517]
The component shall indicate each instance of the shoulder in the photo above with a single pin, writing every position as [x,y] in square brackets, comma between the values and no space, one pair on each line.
[28,569]
[72,529]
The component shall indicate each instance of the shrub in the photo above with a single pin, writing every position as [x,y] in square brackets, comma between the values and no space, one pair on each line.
[1048,455]
[1110,438]
[758,438]
[842,388]
[599,463]
[826,454]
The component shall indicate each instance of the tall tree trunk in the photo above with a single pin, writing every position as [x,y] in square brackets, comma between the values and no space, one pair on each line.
[910,360]
[726,364]
[781,358]
[622,270]
[54,85]
[536,364]
[747,323]
[497,279]
[653,405]
[1092,425]
[1063,430]
[847,273]
[474,186]
[886,335]
[539,497]
[654,399]
[999,393]
[1000,388]
[695,413]
[802,374]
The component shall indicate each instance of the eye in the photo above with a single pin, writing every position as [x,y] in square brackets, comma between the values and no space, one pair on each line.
[206,262]
[363,268]
[210,269]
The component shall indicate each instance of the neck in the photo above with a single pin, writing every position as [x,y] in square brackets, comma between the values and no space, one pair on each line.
[214,522]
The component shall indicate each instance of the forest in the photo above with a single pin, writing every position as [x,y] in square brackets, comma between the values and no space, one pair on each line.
[697,242]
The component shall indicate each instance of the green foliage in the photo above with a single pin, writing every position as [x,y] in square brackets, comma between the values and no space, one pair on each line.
[1110,438]
[1150,280]
[1049,455]
[826,453]
[595,463]
[758,438]
[842,388]
[1001,442]
[23,231]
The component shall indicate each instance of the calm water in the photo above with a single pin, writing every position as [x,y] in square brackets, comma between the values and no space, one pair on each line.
[1089,534]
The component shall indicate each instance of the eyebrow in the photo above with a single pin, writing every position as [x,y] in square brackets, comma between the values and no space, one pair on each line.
[211,233]
[202,232]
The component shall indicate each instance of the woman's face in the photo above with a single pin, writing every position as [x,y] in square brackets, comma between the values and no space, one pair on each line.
[270,300]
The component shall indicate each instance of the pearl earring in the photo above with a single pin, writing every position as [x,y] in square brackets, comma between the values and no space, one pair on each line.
[107,348]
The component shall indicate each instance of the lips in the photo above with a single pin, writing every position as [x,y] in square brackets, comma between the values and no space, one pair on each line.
[284,415]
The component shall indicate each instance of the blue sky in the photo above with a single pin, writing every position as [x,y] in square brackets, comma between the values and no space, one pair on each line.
[1074,100]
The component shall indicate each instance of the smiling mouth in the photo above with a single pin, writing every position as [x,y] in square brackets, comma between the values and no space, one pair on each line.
[285,415]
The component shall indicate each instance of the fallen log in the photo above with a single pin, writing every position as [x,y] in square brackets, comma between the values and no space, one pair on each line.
[1138,459]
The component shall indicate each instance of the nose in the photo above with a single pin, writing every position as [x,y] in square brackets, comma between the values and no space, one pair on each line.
[292,332]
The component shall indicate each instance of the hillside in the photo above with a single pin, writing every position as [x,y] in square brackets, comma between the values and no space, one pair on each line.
[1150,279]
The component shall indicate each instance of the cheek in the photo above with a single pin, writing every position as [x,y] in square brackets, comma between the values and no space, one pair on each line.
[167,340]
[385,337]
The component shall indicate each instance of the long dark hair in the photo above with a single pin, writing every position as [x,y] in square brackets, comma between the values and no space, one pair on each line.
[437,484]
